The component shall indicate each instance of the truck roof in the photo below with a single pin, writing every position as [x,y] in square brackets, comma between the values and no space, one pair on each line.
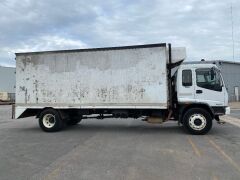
[95,49]
[199,65]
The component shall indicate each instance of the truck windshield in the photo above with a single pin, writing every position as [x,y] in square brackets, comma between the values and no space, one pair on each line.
[209,78]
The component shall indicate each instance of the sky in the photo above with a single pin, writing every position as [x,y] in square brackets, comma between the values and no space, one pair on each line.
[204,27]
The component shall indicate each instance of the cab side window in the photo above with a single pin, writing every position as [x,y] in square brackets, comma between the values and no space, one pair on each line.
[187,77]
[209,79]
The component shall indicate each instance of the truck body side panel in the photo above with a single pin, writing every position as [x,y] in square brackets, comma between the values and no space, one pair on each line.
[123,78]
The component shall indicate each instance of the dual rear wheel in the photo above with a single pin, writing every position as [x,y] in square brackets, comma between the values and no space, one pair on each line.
[51,121]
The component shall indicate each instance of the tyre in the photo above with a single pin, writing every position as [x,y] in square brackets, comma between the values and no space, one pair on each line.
[73,121]
[50,120]
[197,121]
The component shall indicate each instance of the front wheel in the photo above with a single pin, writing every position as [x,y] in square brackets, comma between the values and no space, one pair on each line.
[197,121]
[50,120]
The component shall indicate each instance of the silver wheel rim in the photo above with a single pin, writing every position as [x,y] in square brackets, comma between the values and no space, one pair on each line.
[49,120]
[197,122]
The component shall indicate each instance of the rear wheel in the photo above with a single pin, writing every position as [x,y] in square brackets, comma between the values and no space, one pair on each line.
[50,120]
[197,121]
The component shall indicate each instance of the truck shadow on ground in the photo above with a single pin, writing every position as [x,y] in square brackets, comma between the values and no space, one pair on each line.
[102,127]
[122,128]
[131,127]
[136,129]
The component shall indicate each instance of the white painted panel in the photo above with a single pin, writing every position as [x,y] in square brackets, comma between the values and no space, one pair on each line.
[128,77]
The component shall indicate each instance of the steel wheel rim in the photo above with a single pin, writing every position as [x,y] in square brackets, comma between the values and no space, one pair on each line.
[197,122]
[49,120]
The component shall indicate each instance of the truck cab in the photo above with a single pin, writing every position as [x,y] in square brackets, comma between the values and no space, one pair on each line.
[200,91]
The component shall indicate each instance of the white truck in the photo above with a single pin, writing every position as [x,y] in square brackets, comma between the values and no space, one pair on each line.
[144,81]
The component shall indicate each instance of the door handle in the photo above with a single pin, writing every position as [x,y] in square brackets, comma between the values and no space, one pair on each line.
[199,91]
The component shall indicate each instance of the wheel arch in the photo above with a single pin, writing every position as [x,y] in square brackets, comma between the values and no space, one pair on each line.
[43,109]
[61,112]
[185,107]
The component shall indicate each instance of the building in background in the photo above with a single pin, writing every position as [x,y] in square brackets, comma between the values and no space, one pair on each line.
[231,75]
[7,83]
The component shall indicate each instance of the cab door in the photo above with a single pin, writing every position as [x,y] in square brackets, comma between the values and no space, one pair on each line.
[185,88]
[209,87]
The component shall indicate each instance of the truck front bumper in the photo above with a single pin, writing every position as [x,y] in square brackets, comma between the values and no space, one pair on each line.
[227,110]
[221,110]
